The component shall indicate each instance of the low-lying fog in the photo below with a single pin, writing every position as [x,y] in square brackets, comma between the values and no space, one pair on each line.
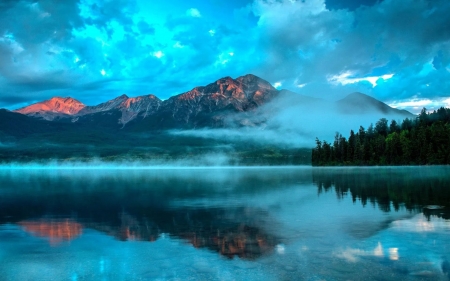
[210,160]
[293,120]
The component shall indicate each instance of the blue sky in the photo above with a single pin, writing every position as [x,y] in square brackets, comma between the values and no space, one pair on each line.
[397,51]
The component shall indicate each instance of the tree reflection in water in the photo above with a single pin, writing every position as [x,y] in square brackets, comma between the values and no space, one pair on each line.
[425,189]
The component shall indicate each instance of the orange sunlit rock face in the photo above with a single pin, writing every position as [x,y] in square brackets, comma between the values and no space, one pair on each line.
[56,230]
[68,106]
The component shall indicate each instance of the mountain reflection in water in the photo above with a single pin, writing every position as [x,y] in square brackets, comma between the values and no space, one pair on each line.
[135,208]
[203,228]
[286,223]
[56,230]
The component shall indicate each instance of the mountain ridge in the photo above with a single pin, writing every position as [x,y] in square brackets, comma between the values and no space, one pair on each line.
[202,106]
[52,108]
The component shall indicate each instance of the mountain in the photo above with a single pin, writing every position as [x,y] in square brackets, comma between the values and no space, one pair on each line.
[244,93]
[141,106]
[257,124]
[69,109]
[208,106]
[126,109]
[111,104]
[53,108]
[358,103]
[245,101]
[204,106]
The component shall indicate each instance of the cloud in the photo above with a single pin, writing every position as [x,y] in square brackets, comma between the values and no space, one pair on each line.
[346,78]
[193,13]
[313,42]
[349,4]
[415,104]
[320,48]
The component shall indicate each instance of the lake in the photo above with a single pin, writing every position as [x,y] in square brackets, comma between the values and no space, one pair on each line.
[258,223]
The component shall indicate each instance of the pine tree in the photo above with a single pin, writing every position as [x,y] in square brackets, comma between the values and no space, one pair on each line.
[425,140]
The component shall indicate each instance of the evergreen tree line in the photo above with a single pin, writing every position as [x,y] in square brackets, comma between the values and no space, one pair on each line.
[420,141]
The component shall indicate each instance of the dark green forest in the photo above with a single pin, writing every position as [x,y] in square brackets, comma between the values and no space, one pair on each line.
[424,140]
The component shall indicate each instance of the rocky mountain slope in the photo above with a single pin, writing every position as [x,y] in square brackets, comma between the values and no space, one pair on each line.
[53,108]
[201,106]
[60,109]
[126,108]
[245,101]
[210,105]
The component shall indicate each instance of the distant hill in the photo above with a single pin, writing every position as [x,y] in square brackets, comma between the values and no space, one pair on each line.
[358,103]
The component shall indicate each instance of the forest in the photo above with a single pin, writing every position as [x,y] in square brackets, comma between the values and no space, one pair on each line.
[424,140]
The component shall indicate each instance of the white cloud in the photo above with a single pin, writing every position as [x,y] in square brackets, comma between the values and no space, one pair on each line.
[193,12]
[224,58]
[158,54]
[446,102]
[277,84]
[346,78]
[416,104]
[178,45]
[12,43]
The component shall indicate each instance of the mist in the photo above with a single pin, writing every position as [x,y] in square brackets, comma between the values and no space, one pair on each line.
[293,121]
[207,160]
[6,144]
[210,160]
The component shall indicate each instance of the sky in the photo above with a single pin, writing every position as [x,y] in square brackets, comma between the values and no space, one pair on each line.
[397,51]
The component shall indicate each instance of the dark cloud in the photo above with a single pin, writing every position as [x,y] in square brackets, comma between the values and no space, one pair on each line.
[35,22]
[9,98]
[102,12]
[40,83]
[307,44]
[96,85]
[349,4]
[7,4]
[96,48]
[145,28]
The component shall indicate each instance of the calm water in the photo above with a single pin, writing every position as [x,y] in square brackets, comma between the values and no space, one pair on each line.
[226,224]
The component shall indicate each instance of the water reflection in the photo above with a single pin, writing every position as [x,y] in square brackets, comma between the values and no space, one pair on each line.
[139,208]
[182,225]
[413,188]
[56,230]
[353,254]
[202,228]
[420,224]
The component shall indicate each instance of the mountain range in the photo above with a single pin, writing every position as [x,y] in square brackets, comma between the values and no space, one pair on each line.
[205,106]
[248,112]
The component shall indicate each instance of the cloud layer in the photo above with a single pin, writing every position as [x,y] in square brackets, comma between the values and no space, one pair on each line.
[395,50]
